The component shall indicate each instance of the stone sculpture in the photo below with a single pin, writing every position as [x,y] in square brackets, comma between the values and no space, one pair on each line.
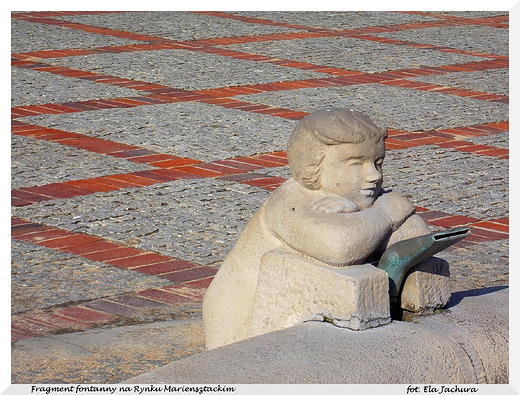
[296,257]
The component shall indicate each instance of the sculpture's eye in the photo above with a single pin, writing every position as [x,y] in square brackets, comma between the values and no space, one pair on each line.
[354,162]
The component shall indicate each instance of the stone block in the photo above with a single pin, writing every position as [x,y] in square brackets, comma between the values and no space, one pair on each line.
[427,287]
[293,289]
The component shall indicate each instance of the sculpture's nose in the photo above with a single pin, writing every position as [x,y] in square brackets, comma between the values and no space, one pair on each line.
[372,174]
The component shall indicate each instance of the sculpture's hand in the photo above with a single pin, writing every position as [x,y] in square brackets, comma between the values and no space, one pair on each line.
[334,205]
[396,207]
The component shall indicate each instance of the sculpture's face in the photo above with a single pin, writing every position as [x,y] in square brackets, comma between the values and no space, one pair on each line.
[354,171]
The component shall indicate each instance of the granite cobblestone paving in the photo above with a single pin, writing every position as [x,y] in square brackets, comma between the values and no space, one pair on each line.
[392,106]
[458,37]
[133,179]
[339,20]
[181,26]
[183,69]
[37,162]
[348,53]
[27,37]
[220,133]
[195,220]
[477,186]
[490,81]
[36,269]
[466,265]
[472,14]
[498,140]
[34,87]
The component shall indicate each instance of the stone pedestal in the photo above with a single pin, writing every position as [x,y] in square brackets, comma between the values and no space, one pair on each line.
[427,287]
[292,289]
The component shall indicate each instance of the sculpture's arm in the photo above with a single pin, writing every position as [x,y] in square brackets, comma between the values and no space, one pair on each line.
[339,238]
[334,205]
[412,227]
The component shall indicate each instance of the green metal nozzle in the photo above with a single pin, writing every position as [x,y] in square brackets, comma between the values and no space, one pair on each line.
[400,257]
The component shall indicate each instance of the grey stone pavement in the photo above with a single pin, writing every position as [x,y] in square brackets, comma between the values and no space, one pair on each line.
[143,142]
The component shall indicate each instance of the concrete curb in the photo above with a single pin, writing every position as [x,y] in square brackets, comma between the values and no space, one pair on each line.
[466,344]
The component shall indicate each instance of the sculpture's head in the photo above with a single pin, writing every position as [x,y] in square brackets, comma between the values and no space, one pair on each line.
[340,152]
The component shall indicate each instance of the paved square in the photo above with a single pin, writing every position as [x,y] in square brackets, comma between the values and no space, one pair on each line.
[30,87]
[183,69]
[27,36]
[195,130]
[499,140]
[177,25]
[390,106]
[195,220]
[338,20]
[352,54]
[459,183]
[37,162]
[492,40]
[36,270]
[489,81]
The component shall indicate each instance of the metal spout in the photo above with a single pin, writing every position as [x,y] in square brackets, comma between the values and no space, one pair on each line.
[400,257]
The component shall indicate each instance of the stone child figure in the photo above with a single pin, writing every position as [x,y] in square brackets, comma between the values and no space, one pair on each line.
[332,210]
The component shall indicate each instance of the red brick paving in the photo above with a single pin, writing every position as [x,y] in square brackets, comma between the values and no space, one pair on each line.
[137,302]
[131,262]
[55,321]
[113,308]
[190,274]
[192,289]
[164,297]
[455,220]
[431,215]
[113,182]
[112,254]
[92,185]
[67,241]
[22,325]
[496,225]
[88,248]
[58,190]
[164,267]
[37,237]
[87,315]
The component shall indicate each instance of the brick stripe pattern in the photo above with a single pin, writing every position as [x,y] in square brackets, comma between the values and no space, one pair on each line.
[189,279]
[173,168]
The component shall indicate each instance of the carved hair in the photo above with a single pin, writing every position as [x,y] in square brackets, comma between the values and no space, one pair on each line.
[332,126]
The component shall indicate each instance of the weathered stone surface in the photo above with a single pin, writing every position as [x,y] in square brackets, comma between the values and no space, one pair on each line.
[468,346]
[293,289]
[427,287]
